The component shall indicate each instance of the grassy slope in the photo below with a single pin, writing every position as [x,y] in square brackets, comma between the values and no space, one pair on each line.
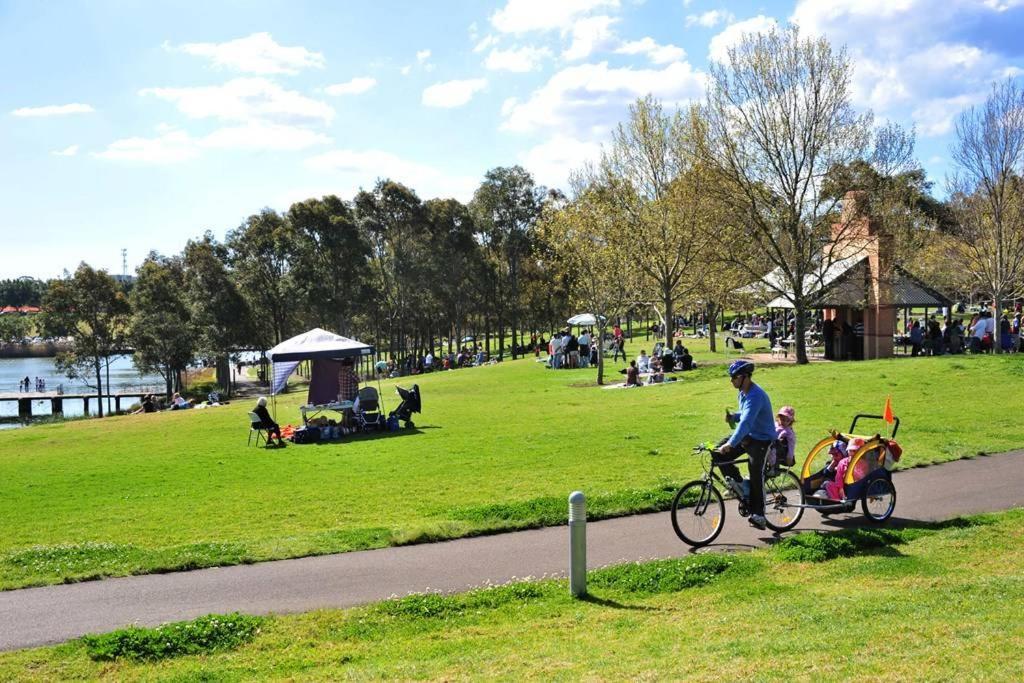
[181,489]
[909,611]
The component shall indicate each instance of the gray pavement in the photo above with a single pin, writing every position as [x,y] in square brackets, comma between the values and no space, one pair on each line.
[52,614]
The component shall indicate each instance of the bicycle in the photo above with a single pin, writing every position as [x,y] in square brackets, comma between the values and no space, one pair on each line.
[698,509]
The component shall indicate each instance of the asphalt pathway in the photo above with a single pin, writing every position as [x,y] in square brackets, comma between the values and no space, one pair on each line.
[40,616]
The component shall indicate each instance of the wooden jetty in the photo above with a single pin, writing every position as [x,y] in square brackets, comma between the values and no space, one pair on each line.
[25,399]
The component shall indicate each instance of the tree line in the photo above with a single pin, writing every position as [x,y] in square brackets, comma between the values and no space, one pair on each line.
[719,204]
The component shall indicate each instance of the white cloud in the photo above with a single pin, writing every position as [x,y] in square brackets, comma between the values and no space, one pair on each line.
[936,116]
[589,35]
[915,60]
[54,110]
[356,86]
[520,16]
[170,147]
[70,151]
[489,40]
[517,60]
[710,19]
[591,98]
[718,47]
[406,70]
[658,54]
[258,54]
[244,99]
[422,56]
[173,145]
[257,135]
[350,169]
[452,93]
[552,161]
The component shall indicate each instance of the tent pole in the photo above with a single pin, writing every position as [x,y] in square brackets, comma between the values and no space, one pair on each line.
[273,394]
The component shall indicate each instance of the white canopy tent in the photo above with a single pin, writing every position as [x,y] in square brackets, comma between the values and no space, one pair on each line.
[584,319]
[317,344]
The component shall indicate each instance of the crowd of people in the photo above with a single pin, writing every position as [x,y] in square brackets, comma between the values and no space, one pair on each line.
[930,337]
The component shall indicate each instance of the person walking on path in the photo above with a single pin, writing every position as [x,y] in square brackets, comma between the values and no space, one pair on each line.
[753,434]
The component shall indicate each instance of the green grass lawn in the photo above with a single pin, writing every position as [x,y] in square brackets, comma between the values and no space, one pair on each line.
[497,447]
[933,602]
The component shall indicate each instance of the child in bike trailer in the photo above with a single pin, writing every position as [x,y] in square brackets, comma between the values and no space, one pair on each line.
[784,451]
[753,434]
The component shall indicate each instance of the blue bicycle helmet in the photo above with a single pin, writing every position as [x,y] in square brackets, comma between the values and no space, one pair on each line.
[741,367]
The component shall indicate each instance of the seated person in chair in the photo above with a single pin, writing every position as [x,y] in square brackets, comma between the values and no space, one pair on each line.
[266,422]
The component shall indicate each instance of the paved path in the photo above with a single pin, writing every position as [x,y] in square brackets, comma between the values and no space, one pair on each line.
[39,616]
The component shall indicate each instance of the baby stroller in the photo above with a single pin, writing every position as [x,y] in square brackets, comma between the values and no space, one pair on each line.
[410,404]
[366,410]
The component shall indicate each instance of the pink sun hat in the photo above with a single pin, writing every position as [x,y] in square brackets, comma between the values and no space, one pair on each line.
[787,411]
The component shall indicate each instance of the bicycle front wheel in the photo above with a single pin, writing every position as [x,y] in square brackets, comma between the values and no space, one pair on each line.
[783,498]
[698,513]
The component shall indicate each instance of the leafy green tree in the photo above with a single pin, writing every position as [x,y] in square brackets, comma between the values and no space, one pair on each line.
[22,291]
[453,261]
[14,327]
[260,254]
[506,207]
[92,309]
[395,223]
[329,266]
[220,316]
[161,325]
[587,238]
[663,194]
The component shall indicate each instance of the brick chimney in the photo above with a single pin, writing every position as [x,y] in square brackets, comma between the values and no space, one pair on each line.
[856,233]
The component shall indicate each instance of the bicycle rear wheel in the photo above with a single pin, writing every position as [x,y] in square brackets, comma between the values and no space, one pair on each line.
[783,497]
[698,513]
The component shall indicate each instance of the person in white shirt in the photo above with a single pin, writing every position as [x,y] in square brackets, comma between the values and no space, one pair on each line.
[428,362]
[643,362]
[981,328]
[584,341]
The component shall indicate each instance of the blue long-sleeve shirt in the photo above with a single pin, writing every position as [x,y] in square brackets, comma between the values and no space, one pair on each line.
[756,417]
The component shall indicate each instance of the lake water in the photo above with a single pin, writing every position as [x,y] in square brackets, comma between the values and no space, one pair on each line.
[123,377]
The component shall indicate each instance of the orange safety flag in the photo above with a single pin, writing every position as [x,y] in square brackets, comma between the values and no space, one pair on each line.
[887,415]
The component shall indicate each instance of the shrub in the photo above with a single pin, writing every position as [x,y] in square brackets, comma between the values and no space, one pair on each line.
[815,546]
[212,633]
[663,576]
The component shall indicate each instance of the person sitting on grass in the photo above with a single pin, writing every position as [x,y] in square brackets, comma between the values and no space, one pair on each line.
[147,405]
[266,422]
[178,402]
[643,362]
[633,375]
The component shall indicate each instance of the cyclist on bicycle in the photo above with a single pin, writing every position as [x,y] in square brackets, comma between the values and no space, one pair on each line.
[753,434]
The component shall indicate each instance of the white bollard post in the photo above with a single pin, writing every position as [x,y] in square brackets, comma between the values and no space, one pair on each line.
[577,544]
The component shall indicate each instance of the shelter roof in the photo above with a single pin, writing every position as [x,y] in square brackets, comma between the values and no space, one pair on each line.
[845,284]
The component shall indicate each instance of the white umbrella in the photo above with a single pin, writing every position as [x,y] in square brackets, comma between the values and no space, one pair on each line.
[585,319]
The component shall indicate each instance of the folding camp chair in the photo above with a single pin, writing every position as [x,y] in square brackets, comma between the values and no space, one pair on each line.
[256,425]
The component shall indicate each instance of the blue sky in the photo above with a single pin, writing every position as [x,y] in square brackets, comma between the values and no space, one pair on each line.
[139,125]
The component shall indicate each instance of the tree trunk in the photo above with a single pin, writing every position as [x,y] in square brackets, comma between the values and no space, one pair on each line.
[600,355]
[800,324]
[106,366]
[99,384]
[669,319]
[712,316]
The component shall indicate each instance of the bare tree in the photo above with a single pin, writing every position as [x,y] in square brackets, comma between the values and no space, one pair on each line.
[988,193]
[778,118]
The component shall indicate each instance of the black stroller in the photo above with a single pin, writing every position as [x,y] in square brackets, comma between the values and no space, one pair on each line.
[410,404]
